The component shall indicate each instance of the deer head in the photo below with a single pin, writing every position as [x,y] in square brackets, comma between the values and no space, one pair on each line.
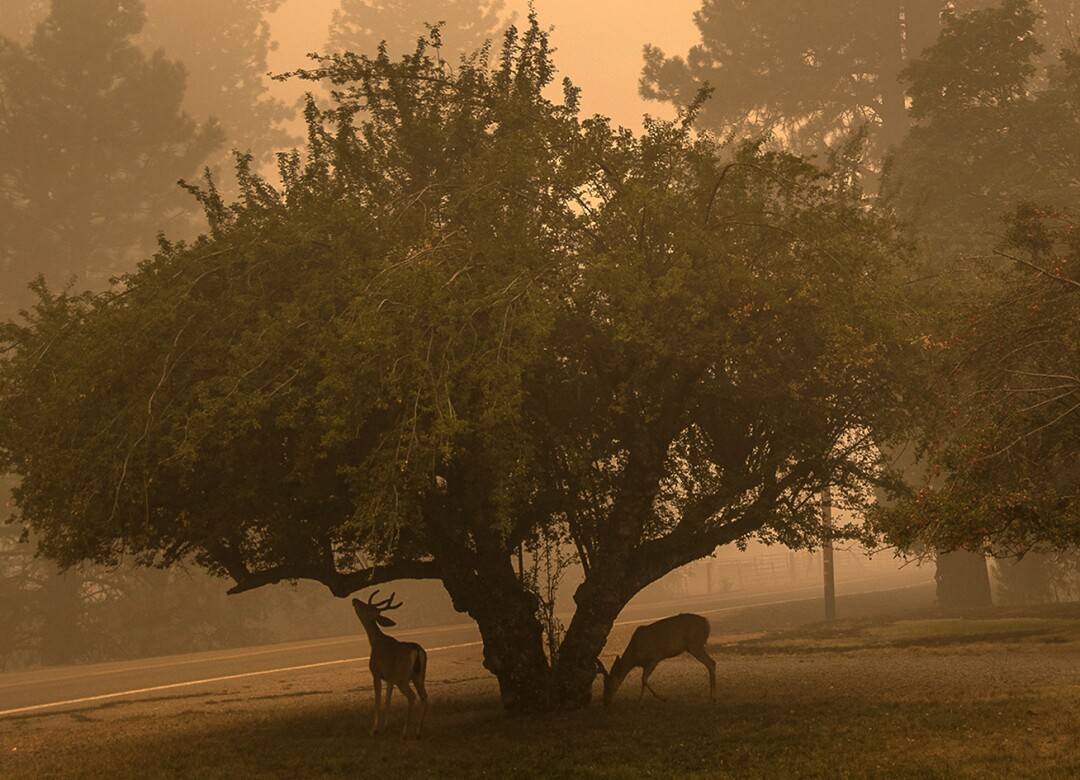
[372,611]
[612,679]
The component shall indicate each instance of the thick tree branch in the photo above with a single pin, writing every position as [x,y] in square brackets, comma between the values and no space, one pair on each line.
[341,584]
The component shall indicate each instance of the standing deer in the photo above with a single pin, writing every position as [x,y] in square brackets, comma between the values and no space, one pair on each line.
[653,643]
[398,663]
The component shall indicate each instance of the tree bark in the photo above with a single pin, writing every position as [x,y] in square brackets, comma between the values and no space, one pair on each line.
[598,605]
[506,614]
[893,111]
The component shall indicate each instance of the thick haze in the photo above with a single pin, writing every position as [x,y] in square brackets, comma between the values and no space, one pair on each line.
[598,45]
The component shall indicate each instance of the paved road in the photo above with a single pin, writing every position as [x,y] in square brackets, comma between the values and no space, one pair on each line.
[64,688]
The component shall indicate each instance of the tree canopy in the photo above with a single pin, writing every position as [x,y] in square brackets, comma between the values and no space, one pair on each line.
[1004,444]
[464,318]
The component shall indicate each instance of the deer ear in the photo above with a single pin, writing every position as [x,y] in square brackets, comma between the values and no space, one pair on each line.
[356,602]
[382,620]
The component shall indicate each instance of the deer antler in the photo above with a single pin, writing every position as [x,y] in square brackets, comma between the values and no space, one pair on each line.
[385,605]
[379,604]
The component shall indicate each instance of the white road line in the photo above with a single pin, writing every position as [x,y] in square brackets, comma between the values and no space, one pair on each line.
[207,680]
[77,673]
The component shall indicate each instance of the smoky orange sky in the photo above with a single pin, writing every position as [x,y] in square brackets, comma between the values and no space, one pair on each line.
[598,42]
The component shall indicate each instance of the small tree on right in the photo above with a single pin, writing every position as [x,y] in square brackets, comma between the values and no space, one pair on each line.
[999,438]
[1004,444]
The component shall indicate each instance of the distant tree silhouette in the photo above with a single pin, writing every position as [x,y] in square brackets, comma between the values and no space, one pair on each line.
[224,45]
[806,70]
[94,141]
[991,129]
[361,25]
[21,17]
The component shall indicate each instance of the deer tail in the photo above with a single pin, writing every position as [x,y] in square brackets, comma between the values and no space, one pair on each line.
[420,663]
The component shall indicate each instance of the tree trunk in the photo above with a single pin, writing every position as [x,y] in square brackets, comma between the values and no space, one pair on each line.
[908,29]
[962,581]
[514,653]
[893,110]
[923,23]
[506,614]
[597,608]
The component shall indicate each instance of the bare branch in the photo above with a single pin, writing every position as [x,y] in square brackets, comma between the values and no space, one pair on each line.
[1039,268]
[1030,433]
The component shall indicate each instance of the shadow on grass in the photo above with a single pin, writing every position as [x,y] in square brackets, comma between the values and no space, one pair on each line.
[991,737]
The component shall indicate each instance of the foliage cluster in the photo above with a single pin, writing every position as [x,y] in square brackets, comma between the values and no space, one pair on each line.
[1004,443]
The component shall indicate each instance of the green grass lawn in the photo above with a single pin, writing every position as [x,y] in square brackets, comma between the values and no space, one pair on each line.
[927,632]
[895,699]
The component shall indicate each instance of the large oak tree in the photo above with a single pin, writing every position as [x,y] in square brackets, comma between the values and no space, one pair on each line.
[465,318]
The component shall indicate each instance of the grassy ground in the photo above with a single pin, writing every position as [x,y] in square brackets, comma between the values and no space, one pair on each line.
[991,697]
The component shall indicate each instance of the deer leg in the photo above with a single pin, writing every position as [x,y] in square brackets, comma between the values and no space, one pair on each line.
[411,697]
[710,664]
[378,702]
[386,704]
[645,672]
[419,683]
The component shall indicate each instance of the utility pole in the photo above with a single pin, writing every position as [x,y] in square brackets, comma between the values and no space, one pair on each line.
[827,556]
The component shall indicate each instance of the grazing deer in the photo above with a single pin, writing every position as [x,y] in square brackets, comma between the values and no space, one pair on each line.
[398,663]
[653,643]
